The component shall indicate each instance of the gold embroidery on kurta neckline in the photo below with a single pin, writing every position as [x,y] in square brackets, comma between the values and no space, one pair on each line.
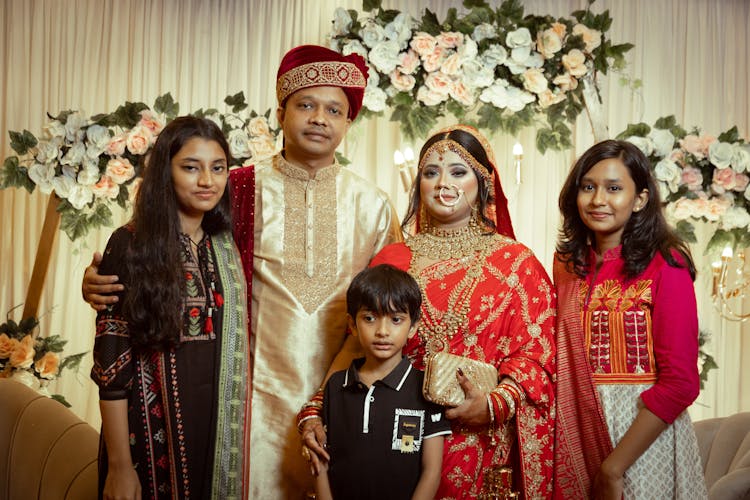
[310,233]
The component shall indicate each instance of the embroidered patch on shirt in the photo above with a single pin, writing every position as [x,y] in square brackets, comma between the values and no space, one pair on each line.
[408,428]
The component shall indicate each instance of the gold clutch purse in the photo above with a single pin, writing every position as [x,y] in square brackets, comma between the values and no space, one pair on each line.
[441,385]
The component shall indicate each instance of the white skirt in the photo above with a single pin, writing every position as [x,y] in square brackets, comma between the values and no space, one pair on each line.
[671,467]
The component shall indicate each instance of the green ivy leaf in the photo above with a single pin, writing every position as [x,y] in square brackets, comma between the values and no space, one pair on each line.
[62,117]
[128,115]
[343,160]
[731,135]
[666,122]
[165,104]
[718,241]
[71,222]
[10,328]
[21,142]
[470,4]
[102,216]
[72,362]
[686,231]
[14,175]
[634,129]
[53,343]
[429,23]
[512,9]
[489,117]
[387,16]
[236,101]
[28,324]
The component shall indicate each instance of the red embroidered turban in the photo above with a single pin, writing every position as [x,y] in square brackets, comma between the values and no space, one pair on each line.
[316,66]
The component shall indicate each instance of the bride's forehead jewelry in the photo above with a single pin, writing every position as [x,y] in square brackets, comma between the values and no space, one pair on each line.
[445,145]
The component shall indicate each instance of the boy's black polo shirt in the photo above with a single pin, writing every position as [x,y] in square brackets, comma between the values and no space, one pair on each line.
[375,434]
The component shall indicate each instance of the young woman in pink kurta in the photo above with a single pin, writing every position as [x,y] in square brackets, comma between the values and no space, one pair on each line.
[627,337]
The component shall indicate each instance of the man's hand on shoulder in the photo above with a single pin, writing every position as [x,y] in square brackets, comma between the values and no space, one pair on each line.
[97,289]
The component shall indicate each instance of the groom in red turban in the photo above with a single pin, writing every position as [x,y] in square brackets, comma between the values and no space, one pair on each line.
[315,226]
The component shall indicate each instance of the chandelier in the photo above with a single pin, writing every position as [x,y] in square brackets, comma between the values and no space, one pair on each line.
[730,282]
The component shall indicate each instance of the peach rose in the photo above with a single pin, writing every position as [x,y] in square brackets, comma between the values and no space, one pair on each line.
[402,82]
[724,179]
[575,62]
[548,98]
[47,365]
[258,126]
[534,80]
[105,188]
[715,209]
[677,156]
[262,147]
[592,38]
[116,145]
[682,209]
[7,346]
[139,139]
[450,39]
[23,353]
[119,170]
[430,97]
[423,44]
[438,82]
[706,141]
[741,181]
[451,64]
[151,121]
[693,145]
[434,60]
[560,29]
[408,62]
[460,93]
[692,178]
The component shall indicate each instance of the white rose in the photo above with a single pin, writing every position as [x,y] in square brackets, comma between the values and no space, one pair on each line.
[534,81]
[89,174]
[42,175]
[372,34]
[74,155]
[720,154]
[670,173]
[519,55]
[74,127]
[48,151]
[80,196]
[374,99]
[642,143]
[747,193]
[518,38]
[25,378]
[741,158]
[238,143]
[663,141]
[54,129]
[430,97]
[735,217]
[385,56]
[373,79]
[354,47]
[496,94]
[518,99]
[98,136]
[399,30]
[342,21]
[483,30]
[477,75]
[468,51]
[493,56]
[63,184]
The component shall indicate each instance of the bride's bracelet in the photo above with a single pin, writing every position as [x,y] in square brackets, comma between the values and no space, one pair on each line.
[311,409]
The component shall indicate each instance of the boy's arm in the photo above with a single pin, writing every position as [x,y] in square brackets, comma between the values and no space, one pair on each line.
[432,464]
[322,486]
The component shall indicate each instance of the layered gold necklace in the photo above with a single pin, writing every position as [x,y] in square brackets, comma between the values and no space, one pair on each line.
[444,244]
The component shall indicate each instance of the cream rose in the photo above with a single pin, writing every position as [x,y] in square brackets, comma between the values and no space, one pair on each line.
[408,62]
[560,29]
[735,217]
[119,170]
[693,145]
[262,147]
[723,180]
[692,178]
[548,98]
[432,62]
[89,174]
[716,208]
[451,65]
[575,63]
[152,121]
[460,93]
[438,82]
[518,99]
[23,353]
[258,126]
[741,181]
[139,139]
[116,145]
[534,81]
[565,82]
[682,209]
[548,43]
[668,172]
[47,365]
[430,97]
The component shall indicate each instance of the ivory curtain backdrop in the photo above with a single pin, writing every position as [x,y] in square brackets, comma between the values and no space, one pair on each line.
[93,55]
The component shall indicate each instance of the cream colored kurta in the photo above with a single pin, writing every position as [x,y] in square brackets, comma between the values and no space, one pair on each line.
[312,235]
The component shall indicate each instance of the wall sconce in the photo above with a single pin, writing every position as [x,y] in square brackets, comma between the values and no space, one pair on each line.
[517,157]
[723,292]
[406,168]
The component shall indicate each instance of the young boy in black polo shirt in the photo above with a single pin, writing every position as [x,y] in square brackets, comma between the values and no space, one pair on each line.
[384,439]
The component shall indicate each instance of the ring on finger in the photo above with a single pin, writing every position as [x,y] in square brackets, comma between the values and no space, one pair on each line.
[306,453]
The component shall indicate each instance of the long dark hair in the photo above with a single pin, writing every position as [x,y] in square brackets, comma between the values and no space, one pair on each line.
[474,147]
[645,233]
[154,300]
